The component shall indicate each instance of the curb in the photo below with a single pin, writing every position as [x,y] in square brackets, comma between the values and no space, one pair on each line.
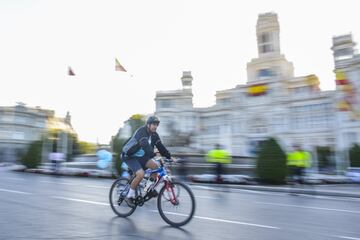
[78,173]
[220,187]
[311,191]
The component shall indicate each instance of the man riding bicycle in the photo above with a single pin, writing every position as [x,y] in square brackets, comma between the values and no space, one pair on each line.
[139,151]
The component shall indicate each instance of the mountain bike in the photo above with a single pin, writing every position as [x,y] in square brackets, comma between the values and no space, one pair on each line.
[175,200]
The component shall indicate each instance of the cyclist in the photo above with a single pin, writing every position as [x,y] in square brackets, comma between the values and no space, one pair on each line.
[139,151]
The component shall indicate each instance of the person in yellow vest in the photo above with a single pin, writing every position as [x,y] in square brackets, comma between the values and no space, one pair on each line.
[219,157]
[297,162]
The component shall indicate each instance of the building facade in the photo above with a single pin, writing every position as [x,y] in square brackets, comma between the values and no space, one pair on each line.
[347,96]
[272,103]
[21,125]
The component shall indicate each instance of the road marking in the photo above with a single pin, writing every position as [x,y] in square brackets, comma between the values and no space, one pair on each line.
[259,192]
[13,191]
[349,199]
[207,197]
[81,200]
[344,237]
[74,184]
[316,208]
[203,187]
[199,217]
[94,186]
[236,190]
[236,222]
[16,179]
[222,220]
[53,182]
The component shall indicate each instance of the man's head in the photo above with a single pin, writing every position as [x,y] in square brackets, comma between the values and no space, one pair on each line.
[152,123]
[297,147]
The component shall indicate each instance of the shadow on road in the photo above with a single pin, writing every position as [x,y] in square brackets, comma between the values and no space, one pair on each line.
[181,233]
[126,227]
[122,226]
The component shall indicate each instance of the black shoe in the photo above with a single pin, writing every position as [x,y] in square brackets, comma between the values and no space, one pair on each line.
[130,202]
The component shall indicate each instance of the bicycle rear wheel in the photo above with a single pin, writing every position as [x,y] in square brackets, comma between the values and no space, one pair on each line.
[176,204]
[117,194]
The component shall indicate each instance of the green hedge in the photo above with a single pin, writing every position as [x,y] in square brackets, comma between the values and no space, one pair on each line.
[117,148]
[271,162]
[354,155]
[32,157]
[323,155]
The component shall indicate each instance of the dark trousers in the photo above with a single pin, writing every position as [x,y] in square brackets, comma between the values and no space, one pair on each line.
[297,174]
[219,171]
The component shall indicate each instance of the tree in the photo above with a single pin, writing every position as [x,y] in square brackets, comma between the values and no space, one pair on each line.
[135,121]
[86,147]
[32,157]
[354,156]
[323,155]
[117,145]
[271,162]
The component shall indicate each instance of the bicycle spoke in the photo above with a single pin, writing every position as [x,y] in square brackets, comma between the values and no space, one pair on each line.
[175,208]
[117,194]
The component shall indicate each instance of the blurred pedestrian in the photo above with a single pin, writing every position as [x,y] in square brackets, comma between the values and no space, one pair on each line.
[56,158]
[298,161]
[219,156]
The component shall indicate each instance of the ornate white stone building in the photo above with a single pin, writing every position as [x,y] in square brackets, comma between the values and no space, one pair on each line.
[273,102]
[21,125]
[347,69]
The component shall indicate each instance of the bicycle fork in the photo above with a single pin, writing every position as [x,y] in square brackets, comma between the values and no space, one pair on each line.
[171,193]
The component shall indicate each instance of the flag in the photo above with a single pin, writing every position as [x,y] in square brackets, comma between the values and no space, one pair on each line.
[343,106]
[355,115]
[312,80]
[340,75]
[70,72]
[257,90]
[341,78]
[348,101]
[342,82]
[118,66]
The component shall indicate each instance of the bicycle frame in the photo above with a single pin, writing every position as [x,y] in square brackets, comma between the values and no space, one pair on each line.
[162,177]
[168,195]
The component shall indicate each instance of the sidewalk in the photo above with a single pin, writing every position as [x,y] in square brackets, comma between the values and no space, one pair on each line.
[339,187]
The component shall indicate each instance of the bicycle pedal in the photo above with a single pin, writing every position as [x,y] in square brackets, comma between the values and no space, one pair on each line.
[130,202]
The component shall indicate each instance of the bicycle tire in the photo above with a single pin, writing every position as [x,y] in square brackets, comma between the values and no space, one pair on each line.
[118,183]
[163,213]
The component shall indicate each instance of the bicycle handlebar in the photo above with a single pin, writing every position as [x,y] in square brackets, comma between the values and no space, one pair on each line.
[163,160]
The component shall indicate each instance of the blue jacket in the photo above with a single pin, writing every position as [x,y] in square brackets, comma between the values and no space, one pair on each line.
[142,144]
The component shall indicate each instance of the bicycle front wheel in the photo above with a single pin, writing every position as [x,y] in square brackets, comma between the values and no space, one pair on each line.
[176,203]
[117,195]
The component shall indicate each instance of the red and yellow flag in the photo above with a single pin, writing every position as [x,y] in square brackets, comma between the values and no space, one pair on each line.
[348,101]
[341,78]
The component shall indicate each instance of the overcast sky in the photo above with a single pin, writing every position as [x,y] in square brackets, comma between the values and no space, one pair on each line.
[155,40]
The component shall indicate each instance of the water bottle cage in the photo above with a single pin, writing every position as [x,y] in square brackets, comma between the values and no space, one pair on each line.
[149,184]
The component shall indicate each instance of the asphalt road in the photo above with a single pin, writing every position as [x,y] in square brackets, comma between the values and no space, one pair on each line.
[36,206]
